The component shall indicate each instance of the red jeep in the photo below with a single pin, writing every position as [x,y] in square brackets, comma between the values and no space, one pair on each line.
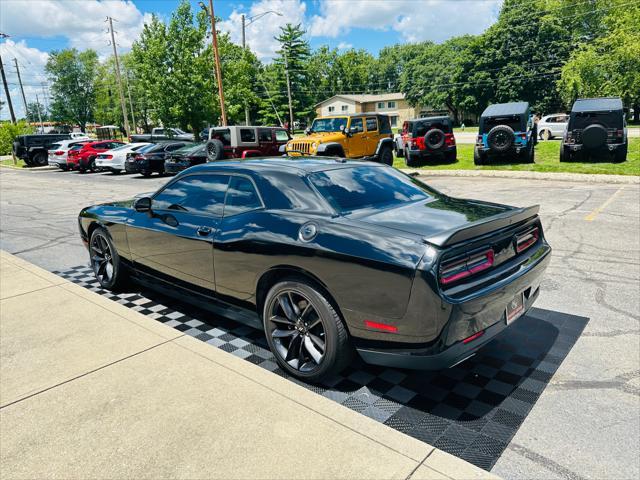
[241,141]
[83,157]
[426,138]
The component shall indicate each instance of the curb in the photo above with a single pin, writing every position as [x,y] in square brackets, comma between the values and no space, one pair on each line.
[29,169]
[525,175]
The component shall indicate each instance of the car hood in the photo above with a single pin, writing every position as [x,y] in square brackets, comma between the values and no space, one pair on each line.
[432,217]
[321,137]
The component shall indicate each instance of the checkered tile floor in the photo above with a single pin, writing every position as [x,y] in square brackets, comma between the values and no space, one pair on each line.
[471,411]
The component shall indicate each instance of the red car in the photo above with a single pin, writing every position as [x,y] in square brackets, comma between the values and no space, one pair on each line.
[83,157]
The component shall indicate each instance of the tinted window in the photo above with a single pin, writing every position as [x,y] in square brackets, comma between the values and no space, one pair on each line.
[241,197]
[385,126]
[198,194]
[607,119]
[222,134]
[281,136]
[173,146]
[264,135]
[356,125]
[349,189]
[247,135]
[515,122]
[372,124]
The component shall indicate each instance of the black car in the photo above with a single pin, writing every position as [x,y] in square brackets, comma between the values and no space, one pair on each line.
[328,255]
[597,128]
[33,149]
[506,132]
[185,157]
[427,138]
[151,159]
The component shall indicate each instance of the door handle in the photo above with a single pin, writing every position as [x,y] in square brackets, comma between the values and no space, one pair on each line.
[204,231]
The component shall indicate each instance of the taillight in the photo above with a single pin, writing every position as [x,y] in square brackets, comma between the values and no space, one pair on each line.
[138,157]
[523,136]
[620,133]
[58,152]
[449,139]
[460,268]
[479,140]
[527,239]
[107,157]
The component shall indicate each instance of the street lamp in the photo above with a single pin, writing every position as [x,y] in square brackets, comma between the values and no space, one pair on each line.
[248,21]
[216,58]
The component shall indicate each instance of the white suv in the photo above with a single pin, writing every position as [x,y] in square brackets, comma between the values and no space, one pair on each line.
[551,126]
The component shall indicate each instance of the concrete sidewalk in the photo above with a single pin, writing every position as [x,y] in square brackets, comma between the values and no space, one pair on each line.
[92,389]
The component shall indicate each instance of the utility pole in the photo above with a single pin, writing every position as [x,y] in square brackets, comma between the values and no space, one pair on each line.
[6,91]
[121,91]
[216,59]
[133,117]
[286,71]
[24,99]
[39,116]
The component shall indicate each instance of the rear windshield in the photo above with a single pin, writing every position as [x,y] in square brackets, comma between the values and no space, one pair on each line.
[351,189]
[190,149]
[147,148]
[55,146]
[421,128]
[607,119]
[513,121]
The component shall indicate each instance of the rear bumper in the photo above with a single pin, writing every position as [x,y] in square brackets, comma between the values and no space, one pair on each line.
[516,149]
[424,154]
[608,147]
[109,164]
[466,317]
[131,167]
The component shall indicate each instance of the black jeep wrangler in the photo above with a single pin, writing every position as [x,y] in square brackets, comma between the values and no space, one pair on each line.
[506,130]
[426,138]
[33,148]
[597,128]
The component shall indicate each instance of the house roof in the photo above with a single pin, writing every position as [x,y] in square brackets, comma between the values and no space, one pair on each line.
[365,98]
[603,104]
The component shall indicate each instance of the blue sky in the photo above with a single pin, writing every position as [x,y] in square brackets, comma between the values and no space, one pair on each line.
[38,26]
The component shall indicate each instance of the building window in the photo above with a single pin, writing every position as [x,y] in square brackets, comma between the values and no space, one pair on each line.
[331,109]
[391,104]
[394,121]
[380,104]
[345,108]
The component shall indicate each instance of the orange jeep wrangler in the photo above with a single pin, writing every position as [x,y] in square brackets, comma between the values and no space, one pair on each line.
[356,135]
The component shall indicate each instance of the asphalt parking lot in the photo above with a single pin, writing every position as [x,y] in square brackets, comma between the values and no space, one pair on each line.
[585,422]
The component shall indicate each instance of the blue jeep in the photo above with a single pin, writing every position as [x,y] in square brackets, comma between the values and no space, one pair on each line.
[506,131]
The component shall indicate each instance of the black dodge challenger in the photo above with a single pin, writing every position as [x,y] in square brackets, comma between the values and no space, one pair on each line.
[328,256]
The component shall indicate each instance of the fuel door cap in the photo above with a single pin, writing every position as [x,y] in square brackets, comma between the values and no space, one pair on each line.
[308,232]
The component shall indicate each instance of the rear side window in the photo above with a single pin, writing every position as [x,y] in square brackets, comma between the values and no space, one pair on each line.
[241,197]
[372,124]
[385,125]
[222,134]
[247,135]
[197,194]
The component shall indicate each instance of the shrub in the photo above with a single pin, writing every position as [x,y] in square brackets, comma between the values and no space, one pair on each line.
[9,131]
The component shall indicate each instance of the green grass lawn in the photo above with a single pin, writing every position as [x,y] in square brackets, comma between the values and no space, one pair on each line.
[9,162]
[547,160]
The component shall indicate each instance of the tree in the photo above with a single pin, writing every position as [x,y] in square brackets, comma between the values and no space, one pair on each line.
[295,48]
[73,76]
[35,112]
[609,65]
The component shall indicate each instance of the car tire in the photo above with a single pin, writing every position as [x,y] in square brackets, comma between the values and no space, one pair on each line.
[451,156]
[501,138]
[146,173]
[92,164]
[386,156]
[40,159]
[310,350]
[215,150]
[478,157]
[531,155]
[105,261]
[410,160]
[63,168]
[620,155]
[434,139]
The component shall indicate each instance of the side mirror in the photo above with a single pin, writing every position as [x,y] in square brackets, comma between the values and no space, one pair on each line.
[307,131]
[142,204]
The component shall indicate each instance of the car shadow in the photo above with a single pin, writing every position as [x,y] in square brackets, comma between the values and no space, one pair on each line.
[472,410]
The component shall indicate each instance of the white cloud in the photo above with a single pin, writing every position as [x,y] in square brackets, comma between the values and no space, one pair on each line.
[415,20]
[31,62]
[81,22]
[345,46]
[260,35]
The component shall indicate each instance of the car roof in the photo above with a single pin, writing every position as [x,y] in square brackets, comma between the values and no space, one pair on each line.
[244,126]
[358,114]
[603,104]
[293,164]
[499,109]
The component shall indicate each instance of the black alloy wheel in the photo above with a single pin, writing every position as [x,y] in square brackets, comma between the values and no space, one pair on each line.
[105,261]
[304,332]
[92,164]
[215,150]
[40,159]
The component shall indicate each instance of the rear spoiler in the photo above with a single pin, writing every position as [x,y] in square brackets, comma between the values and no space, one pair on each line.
[482,227]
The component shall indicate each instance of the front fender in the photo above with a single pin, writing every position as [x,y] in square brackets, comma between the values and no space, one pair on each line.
[383,143]
[323,148]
